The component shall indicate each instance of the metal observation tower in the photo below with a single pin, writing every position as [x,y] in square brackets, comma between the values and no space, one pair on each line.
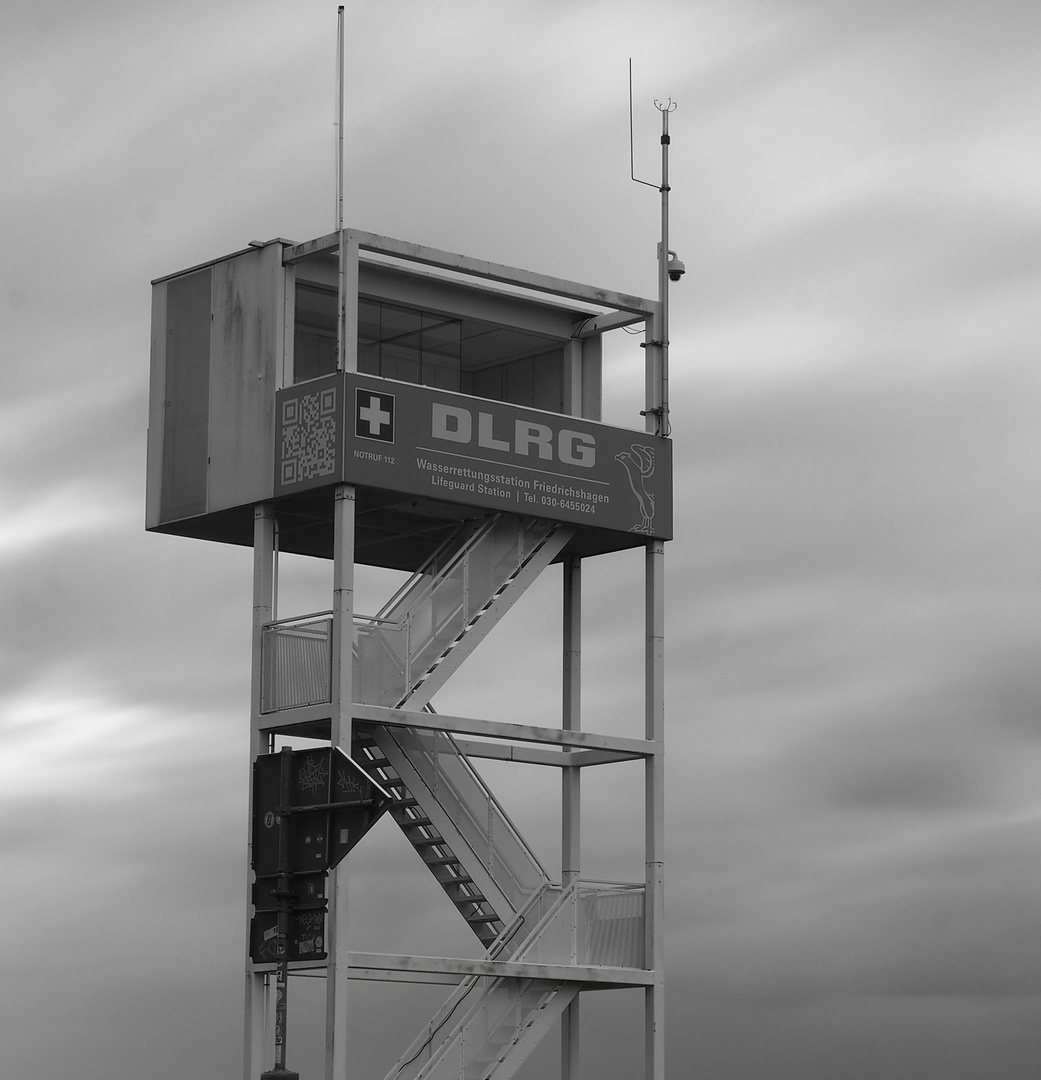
[373,402]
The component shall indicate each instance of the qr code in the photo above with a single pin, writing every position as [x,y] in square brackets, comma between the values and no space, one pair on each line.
[308,437]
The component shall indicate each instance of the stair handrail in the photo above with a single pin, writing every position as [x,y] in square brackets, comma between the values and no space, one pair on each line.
[478,530]
[568,896]
[498,946]
[484,791]
[426,1037]
[314,615]
[382,615]
[431,571]
[493,799]
[397,613]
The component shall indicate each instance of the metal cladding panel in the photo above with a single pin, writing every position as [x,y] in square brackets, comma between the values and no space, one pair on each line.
[186,380]
[246,341]
[613,928]
[156,407]
[434,444]
[591,383]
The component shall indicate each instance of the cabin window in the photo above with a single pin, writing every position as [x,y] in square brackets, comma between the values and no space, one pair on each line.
[314,332]
[465,355]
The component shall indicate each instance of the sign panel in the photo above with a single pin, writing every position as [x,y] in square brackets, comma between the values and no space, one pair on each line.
[436,444]
[350,804]
[266,818]
[306,936]
[308,891]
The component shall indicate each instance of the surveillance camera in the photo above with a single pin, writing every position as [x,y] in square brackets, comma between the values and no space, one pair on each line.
[675,268]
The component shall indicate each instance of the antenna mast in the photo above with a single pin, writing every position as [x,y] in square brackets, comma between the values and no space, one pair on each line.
[341,295]
[666,270]
[657,411]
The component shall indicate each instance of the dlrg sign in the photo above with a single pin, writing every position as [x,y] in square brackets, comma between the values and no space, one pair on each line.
[455,424]
[427,443]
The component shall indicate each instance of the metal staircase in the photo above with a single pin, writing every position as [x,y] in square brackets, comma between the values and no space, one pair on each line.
[454,831]
[406,653]
[403,656]
[488,1026]
[447,812]
[425,631]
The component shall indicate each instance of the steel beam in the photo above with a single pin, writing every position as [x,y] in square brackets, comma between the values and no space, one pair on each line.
[594,975]
[478,268]
[493,729]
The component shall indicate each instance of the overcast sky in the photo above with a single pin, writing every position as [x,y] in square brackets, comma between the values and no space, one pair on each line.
[853,696]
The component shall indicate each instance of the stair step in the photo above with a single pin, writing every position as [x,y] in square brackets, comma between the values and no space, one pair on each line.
[441,860]
[426,841]
[482,918]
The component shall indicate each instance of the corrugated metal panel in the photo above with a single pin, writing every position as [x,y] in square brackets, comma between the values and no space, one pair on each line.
[156,409]
[611,924]
[245,348]
[297,665]
[186,383]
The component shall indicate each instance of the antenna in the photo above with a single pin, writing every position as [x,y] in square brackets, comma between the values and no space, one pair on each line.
[341,294]
[632,164]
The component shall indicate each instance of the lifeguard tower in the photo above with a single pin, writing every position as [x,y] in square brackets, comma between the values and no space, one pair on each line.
[367,401]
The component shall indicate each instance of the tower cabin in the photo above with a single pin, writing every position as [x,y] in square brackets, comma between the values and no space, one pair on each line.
[465,387]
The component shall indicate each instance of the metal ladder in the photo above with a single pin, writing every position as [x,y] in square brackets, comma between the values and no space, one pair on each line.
[434,849]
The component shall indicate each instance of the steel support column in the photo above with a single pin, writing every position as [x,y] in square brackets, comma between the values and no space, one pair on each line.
[654,788]
[340,736]
[571,789]
[256,989]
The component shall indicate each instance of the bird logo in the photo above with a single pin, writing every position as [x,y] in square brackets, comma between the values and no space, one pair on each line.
[638,462]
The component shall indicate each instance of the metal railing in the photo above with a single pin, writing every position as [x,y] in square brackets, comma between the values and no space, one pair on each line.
[610,925]
[482,823]
[556,927]
[396,649]
[425,618]
[592,924]
[297,661]
[296,666]
[297,672]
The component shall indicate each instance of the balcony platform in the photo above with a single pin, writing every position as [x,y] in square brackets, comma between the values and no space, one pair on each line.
[393,531]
